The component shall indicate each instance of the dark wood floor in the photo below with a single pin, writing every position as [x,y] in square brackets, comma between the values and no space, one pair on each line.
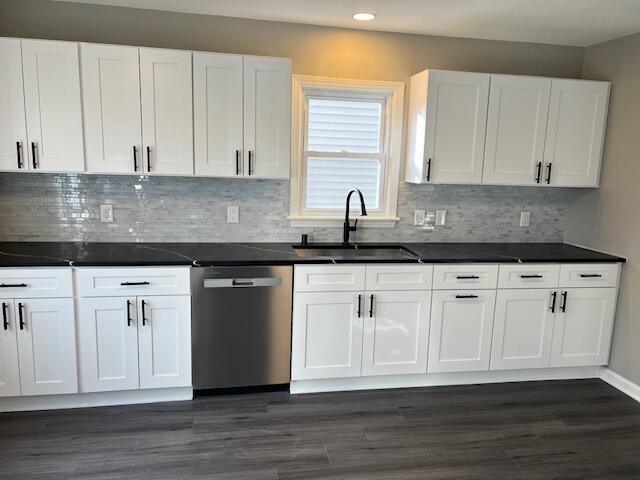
[570,429]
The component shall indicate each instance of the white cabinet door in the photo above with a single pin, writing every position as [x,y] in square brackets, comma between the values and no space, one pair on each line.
[47,346]
[583,328]
[167,111]
[108,344]
[164,341]
[461,325]
[267,117]
[217,113]
[9,366]
[516,127]
[575,132]
[111,100]
[327,335]
[456,120]
[52,101]
[13,130]
[396,333]
[523,329]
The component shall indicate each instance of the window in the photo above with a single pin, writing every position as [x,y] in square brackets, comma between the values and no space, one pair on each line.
[348,136]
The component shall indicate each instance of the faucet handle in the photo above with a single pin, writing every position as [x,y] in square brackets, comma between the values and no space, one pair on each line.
[355,224]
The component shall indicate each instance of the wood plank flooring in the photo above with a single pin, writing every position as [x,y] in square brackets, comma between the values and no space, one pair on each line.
[582,429]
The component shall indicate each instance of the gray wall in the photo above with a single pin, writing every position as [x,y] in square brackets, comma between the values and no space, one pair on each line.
[65,207]
[607,218]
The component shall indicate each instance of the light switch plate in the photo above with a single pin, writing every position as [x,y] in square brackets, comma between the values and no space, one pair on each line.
[441,217]
[233,214]
[106,213]
[525,218]
[418,217]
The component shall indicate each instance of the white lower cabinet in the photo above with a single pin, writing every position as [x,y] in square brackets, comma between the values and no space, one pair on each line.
[9,366]
[396,332]
[327,335]
[46,346]
[461,327]
[584,324]
[523,329]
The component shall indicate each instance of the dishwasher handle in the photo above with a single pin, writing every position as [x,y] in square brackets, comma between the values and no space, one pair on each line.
[242,282]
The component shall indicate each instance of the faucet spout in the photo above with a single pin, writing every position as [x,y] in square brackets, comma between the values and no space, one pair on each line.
[347,229]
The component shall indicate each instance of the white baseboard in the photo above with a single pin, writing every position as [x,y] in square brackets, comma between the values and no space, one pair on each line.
[97,399]
[440,379]
[618,381]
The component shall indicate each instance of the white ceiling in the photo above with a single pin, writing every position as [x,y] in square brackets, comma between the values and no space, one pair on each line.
[565,22]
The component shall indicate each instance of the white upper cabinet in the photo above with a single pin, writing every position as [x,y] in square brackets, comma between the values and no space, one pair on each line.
[447,124]
[575,132]
[267,117]
[516,127]
[53,108]
[218,114]
[111,101]
[13,130]
[167,111]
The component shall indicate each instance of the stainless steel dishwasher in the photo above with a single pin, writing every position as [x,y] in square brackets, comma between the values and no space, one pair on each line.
[241,326]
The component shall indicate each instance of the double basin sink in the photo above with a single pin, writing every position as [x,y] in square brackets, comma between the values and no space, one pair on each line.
[342,251]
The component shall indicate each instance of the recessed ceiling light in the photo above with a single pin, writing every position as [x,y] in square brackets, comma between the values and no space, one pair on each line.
[364,17]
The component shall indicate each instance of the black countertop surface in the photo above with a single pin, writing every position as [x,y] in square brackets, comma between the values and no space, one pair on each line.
[43,254]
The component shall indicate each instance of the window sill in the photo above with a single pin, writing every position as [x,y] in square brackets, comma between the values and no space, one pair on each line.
[337,222]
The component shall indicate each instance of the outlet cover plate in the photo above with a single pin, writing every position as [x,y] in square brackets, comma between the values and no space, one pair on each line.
[106,213]
[233,214]
[525,219]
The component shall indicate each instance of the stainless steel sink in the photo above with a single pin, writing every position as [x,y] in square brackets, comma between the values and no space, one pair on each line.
[353,251]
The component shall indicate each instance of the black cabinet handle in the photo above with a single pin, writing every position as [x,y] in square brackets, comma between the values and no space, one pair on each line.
[468,277]
[466,296]
[548,180]
[129,284]
[5,316]
[539,172]
[563,306]
[135,158]
[19,153]
[34,155]
[250,162]
[144,313]
[237,162]
[371,307]
[128,313]
[590,275]
[359,305]
[552,307]
[428,170]
[21,315]
[531,276]
[148,158]
[13,285]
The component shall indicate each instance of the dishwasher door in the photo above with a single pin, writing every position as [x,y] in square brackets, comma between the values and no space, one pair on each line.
[241,326]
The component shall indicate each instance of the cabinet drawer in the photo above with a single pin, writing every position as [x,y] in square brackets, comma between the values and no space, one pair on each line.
[325,278]
[589,275]
[528,276]
[109,282]
[451,277]
[399,277]
[36,282]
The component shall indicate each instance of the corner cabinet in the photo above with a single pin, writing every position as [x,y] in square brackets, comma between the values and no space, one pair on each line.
[539,131]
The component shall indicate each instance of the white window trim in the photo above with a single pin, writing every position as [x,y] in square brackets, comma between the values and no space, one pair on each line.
[394,92]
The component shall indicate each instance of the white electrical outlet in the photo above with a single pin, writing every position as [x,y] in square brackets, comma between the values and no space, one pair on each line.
[106,213]
[441,217]
[525,218]
[418,217]
[233,214]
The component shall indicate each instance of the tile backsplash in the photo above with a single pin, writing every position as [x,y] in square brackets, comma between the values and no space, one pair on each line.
[65,207]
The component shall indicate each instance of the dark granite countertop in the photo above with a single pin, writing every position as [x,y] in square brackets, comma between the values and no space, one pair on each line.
[44,254]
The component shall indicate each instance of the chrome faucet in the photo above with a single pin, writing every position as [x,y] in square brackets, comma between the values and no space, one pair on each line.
[347,225]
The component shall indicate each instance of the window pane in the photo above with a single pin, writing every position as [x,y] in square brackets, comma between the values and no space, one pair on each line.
[344,126]
[330,179]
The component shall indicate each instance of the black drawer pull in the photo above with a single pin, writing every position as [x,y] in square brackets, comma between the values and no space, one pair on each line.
[563,305]
[148,158]
[359,305]
[21,315]
[144,313]
[135,159]
[468,277]
[19,152]
[129,284]
[590,275]
[13,285]
[539,172]
[548,173]
[429,170]
[466,296]
[5,316]
[531,276]
[251,169]
[552,307]
[34,155]
[371,307]
[237,162]
[128,313]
